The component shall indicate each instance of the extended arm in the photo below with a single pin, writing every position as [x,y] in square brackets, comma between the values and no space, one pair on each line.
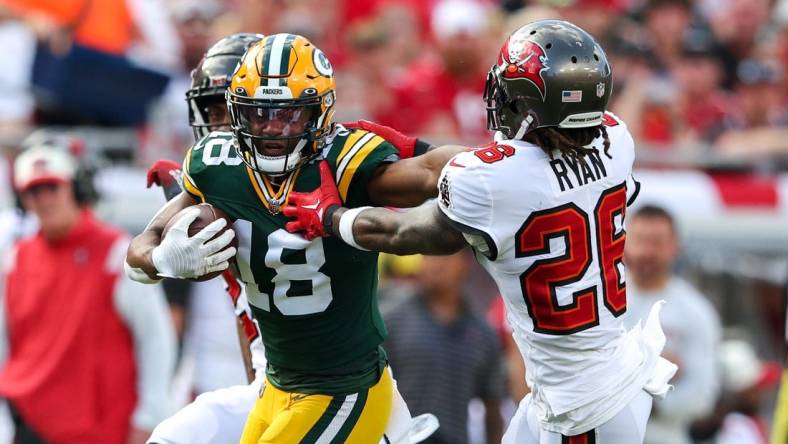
[421,230]
[410,182]
[424,229]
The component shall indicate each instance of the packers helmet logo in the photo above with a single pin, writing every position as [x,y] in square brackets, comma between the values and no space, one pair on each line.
[523,59]
[321,63]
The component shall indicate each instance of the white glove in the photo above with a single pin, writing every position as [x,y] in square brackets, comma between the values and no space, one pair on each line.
[138,274]
[184,257]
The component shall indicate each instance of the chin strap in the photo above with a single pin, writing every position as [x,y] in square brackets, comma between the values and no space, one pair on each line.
[524,125]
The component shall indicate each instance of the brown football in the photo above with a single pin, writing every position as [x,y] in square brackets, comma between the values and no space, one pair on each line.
[208,214]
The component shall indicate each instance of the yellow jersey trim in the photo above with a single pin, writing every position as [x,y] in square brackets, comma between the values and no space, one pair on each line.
[348,166]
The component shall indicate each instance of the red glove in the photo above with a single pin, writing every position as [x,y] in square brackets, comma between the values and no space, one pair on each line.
[163,173]
[406,145]
[313,210]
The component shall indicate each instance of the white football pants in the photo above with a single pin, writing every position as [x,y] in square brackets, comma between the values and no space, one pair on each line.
[627,427]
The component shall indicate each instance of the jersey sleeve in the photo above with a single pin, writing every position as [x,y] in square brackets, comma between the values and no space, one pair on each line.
[633,189]
[209,167]
[361,155]
[192,170]
[464,198]
[623,145]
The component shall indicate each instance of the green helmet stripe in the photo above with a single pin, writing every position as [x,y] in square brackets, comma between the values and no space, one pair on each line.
[286,51]
[274,65]
[266,60]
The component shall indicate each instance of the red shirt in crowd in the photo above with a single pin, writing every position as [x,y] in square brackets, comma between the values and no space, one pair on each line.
[71,371]
[427,91]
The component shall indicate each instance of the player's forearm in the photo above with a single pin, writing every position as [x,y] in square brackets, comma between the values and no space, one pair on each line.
[377,229]
[410,182]
[434,161]
[141,247]
[139,253]
[415,231]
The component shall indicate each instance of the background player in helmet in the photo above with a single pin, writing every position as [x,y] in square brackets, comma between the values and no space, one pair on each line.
[544,209]
[315,301]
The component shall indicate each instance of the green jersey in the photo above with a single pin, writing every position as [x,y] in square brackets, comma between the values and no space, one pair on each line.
[314,301]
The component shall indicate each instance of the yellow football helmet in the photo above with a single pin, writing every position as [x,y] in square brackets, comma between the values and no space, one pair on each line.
[281,101]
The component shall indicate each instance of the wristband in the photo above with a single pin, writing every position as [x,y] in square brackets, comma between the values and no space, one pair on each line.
[346,227]
[328,219]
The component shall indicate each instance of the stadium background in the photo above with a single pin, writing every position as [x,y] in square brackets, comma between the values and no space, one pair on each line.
[702,85]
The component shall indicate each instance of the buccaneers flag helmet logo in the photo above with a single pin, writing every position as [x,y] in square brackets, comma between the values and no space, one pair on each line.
[523,59]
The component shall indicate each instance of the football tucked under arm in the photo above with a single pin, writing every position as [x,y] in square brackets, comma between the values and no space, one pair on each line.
[197,243]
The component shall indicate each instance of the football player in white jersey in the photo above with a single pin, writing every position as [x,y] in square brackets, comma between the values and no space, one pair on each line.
[218,416]
[543,207]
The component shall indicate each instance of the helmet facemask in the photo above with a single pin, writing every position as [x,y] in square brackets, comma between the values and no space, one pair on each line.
[207,113]
[275,138]
[508,115]
[281,102]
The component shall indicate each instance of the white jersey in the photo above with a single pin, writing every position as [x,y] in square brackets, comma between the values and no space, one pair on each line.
[550,233]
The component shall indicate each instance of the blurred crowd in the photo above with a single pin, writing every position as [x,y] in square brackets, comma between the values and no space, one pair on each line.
[698,79]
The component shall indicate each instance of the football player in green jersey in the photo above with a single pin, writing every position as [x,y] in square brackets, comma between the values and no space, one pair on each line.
[315,301]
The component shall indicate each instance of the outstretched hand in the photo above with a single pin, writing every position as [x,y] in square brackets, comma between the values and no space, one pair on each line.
[312,211]
[406,145]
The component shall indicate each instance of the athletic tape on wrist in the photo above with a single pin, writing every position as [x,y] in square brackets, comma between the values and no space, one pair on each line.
[346,227]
